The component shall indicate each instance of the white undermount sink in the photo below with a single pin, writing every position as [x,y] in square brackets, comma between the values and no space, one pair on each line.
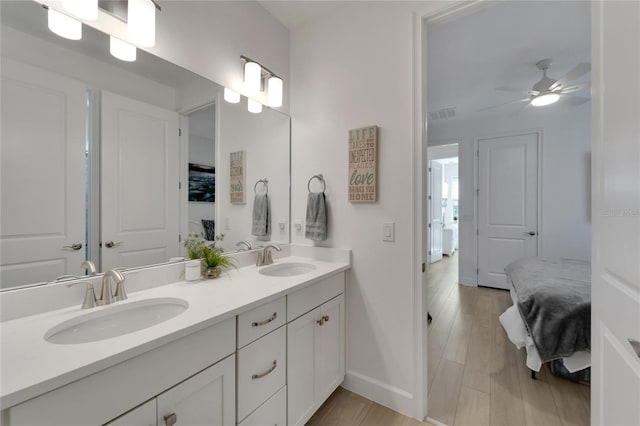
[287,269]
[116,320]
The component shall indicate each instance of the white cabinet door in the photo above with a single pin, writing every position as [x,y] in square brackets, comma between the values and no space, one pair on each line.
[507,204]
[144,415]
[330,371]
[315,359]
[42,174]
[208,398]
[140,194]
[302,357]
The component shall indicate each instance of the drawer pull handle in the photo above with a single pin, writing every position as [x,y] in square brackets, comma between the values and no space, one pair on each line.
[267,321]
[261,375]
[170,419]
[323,319]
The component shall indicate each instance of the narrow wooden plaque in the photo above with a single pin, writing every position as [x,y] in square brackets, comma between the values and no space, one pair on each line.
[363,165]
[237,166]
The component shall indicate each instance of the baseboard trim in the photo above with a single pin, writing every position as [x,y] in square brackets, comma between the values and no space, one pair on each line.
[384,394]
[468,281]
[435,422]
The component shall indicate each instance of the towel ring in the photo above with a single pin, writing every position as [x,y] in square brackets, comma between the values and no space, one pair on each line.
[265,182]
[320,178]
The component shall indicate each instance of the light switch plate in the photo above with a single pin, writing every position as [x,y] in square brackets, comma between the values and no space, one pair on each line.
[388,231]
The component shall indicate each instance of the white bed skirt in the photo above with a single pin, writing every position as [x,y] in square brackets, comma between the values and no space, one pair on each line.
[517,332]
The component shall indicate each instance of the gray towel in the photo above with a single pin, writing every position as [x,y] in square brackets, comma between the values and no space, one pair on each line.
[316,228]
[261,225]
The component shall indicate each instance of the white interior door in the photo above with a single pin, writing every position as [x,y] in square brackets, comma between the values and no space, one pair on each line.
[435,210]
[43,175]
[507,204]
[140,194]
[615,386]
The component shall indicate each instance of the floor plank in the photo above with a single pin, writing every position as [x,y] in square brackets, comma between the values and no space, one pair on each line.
[473,408]
[443,396]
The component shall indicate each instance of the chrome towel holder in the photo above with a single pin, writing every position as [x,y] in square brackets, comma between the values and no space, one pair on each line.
[265,182]
[320,178]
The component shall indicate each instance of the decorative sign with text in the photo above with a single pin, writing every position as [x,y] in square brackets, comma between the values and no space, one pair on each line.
[363,162]
[237,166]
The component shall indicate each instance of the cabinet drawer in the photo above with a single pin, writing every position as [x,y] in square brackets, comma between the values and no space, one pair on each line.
[260,321]
[272,412]
[261,370]
[302,301]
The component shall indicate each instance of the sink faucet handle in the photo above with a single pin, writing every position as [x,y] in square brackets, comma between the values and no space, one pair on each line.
[90,295]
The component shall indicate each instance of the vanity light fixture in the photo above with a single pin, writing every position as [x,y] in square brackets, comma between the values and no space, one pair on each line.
[254,106]
[231,96]
[122,50]
[141,22]
[252,77]
[64,25]
[257,78]
[274,91]
[85,9]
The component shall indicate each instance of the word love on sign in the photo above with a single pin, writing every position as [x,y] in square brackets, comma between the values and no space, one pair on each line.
[363,165]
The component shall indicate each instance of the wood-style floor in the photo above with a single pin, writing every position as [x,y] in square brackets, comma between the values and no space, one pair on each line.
[476,375]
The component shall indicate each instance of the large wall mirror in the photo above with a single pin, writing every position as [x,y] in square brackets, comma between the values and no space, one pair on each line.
[118,162]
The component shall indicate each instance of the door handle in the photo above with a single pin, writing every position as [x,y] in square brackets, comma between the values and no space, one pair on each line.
[531,233]
[74,246]
[111,244]
[635,345]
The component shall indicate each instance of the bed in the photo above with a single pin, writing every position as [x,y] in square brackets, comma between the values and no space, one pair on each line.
[551,311]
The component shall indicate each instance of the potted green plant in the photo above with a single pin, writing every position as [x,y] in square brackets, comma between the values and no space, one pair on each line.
[214,262]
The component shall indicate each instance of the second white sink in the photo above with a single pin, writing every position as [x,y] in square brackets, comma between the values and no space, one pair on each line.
[287,269]
[116,320]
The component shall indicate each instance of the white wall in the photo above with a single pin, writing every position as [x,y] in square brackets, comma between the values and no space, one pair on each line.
[353,69]
[566,144]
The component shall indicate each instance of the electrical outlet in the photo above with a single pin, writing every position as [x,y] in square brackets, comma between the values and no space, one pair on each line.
[298,226]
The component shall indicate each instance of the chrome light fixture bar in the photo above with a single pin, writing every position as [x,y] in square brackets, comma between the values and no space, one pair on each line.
[256,79]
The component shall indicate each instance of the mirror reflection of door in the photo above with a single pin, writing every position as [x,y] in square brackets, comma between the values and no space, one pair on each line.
[435,198]
[202,177]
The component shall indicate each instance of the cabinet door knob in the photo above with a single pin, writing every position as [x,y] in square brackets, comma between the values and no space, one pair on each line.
[326,318]
[320,321]
[170,419]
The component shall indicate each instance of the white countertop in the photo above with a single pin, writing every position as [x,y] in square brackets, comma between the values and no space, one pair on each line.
[31,366]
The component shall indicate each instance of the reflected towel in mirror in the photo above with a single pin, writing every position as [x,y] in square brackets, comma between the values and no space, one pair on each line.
[261,226]
[316,227]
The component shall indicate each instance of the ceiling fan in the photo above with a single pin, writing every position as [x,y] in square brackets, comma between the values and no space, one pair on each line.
[549,90]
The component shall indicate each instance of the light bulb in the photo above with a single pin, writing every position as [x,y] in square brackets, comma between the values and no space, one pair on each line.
[122,50]
[141,22]
[231,96]
[274,91]
[545,99]
[254,106]
[252,74]
[64,25]
[85,9]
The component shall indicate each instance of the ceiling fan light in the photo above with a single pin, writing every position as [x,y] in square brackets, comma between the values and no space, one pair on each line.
[64,25]
[545,99]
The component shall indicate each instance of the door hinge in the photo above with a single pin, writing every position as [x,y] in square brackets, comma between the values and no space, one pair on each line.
[429,197]
[424,267]
[477,271]
[429,168]
[477,232]
[179,185]
[179,132]
[429,225]
[429,252]
[179,238]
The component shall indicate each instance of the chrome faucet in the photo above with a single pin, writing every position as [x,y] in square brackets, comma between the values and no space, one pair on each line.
[89,297]
[265,257]
[247,244]
[106,295]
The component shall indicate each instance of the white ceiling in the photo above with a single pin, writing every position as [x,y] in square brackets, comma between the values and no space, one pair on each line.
[468,57]
[293,14]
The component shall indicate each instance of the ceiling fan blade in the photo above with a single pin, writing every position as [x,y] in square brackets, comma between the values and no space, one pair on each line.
[577,87]
[577,100]
[504,104]
[577,72]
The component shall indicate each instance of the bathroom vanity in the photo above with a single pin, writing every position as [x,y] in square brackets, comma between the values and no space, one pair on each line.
[259,345]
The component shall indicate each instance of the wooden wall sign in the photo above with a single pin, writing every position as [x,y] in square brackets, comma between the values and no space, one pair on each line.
[363,165]
[237,166]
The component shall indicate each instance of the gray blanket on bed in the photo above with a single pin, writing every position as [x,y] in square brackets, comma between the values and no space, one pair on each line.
[554,300]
